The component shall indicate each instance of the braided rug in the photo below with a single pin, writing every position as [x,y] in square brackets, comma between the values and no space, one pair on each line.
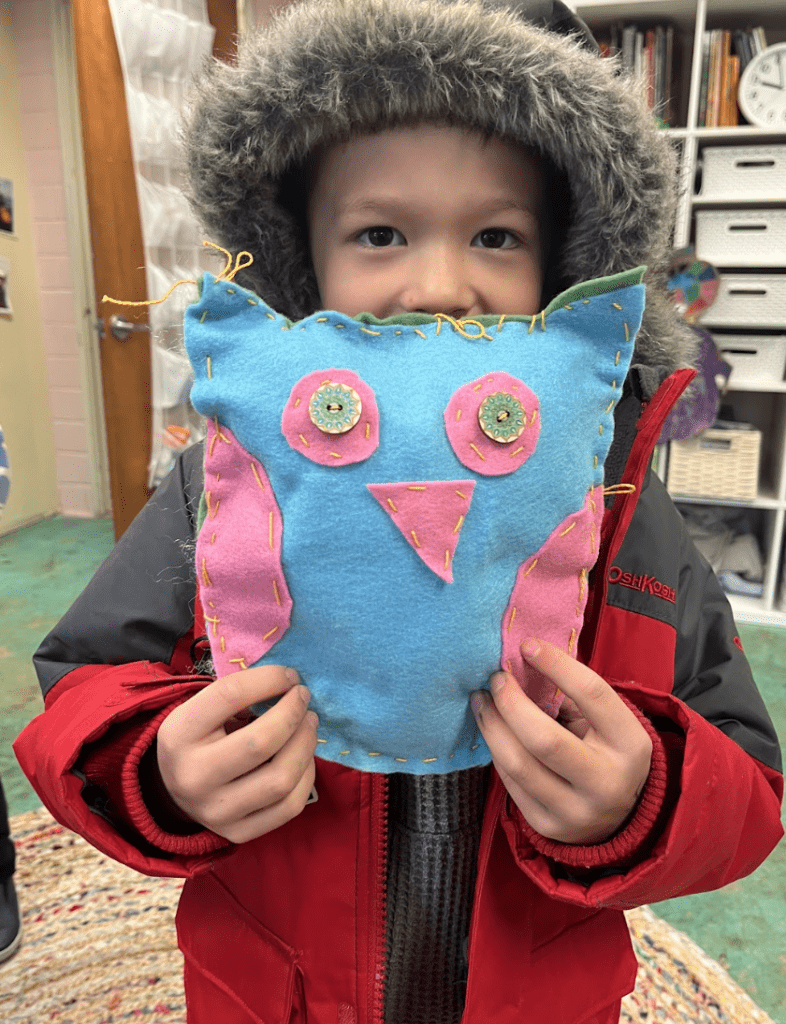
[99,947]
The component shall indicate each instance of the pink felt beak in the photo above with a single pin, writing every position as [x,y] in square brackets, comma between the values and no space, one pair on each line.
[430,516]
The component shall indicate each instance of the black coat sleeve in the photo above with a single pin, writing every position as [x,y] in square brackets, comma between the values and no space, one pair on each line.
[141,600]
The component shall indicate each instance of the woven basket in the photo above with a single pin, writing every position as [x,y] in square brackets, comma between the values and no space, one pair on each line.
[715,464]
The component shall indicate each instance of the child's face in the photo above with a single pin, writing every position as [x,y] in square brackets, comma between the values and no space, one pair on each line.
[427,219]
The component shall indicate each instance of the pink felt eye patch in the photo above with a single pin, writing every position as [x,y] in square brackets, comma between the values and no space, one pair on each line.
[493,424]
[312,426]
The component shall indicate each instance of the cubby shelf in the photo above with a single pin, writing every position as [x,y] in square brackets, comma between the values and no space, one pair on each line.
[762,403]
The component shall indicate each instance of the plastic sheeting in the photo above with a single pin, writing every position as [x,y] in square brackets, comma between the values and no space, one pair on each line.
[162,44]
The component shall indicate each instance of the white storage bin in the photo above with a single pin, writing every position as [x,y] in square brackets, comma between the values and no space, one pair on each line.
[748,300]
[756,172]
[754,358]
[741,238]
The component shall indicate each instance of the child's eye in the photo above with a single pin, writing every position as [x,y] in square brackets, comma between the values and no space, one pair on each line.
[496,238]
[380,237]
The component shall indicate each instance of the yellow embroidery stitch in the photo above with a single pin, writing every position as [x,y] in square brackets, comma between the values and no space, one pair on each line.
[620,489]
[475,323]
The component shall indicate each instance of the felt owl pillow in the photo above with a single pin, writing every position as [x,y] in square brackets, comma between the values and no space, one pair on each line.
[391,507]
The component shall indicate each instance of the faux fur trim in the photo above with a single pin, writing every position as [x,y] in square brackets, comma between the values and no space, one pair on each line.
[326,70]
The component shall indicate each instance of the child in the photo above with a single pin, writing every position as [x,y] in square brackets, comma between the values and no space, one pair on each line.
[395,157]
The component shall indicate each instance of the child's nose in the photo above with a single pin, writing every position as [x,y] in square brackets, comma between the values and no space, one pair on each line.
[439,284]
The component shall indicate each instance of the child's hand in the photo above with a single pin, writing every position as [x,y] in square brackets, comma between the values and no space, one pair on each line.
[577,779]
[240,781]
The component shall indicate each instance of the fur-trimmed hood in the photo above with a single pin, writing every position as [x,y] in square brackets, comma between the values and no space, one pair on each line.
[326,70]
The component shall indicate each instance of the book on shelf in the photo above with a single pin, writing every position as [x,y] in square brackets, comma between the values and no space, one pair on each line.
[649,53]
[725,55]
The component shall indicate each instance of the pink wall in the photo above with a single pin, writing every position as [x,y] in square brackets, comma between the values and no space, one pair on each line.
[41,135]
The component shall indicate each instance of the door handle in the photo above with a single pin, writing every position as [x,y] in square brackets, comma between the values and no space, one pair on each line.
[122,328]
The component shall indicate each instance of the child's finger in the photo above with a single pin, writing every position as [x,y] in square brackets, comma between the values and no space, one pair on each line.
[596,700]
[514,761]
[269,818]
[269,782]
[205,713]
[245,749]
[530,729]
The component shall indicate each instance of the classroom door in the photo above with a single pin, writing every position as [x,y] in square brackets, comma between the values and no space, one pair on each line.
[116,242]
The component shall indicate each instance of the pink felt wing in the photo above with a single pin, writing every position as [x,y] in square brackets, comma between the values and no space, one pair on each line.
[244,594]
[553,580]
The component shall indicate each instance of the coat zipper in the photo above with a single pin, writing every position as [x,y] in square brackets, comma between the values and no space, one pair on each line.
[379,823]
[495,800]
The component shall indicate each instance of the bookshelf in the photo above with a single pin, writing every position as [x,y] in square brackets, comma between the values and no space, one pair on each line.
[760,402]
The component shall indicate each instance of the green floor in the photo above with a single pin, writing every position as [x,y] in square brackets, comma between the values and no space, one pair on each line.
[44,567]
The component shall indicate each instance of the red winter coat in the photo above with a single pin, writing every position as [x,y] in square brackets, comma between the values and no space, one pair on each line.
[290,927]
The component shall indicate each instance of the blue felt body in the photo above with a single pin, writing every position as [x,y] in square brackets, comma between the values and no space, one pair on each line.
[391,652]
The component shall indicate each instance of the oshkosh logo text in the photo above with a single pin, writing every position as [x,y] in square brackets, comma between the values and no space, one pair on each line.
[645,584]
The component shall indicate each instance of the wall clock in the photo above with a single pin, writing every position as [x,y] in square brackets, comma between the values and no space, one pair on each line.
[762,93]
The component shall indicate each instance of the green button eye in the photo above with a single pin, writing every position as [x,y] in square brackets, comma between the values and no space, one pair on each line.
[502,417]
[334,408]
